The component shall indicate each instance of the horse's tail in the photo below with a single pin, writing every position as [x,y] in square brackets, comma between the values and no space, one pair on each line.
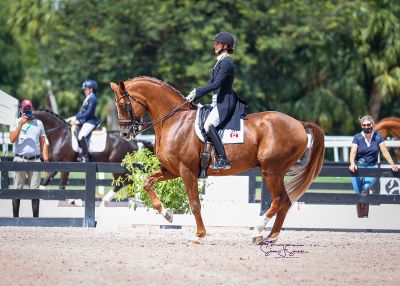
[309,170]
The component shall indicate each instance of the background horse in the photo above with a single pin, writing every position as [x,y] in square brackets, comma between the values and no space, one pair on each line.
[389,128]
[273,142]
[58,133]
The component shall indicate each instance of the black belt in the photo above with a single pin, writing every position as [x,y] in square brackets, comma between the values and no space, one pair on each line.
[28,157]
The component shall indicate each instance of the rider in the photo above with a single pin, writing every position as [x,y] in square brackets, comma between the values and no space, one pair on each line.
[86,118]
[228,107]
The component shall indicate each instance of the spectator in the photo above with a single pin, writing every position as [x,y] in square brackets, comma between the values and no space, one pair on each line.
[28,138]
[364,154]
[86,118]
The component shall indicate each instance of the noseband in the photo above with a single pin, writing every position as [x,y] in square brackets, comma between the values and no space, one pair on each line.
[132,122]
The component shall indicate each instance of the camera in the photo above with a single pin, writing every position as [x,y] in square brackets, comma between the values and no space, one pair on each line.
[28,113]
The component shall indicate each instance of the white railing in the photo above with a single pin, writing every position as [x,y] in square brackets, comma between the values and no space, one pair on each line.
[340,144]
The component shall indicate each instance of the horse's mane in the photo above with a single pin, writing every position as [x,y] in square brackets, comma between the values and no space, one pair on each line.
[53,114]
[157,82]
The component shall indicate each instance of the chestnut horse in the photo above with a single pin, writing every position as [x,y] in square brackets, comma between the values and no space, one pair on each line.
[389,127]
[273,141]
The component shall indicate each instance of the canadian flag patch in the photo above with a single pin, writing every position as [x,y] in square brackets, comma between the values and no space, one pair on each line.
[234,134]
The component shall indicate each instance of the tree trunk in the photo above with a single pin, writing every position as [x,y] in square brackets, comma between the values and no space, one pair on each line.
[51,98]
[375,102]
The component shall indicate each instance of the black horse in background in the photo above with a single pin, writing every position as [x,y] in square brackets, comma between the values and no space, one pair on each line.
[58,133]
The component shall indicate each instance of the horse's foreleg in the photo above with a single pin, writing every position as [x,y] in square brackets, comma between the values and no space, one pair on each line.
[158,176]
[48,178]
[190,180]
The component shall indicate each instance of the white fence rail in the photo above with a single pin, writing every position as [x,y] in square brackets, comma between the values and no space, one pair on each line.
[340,144]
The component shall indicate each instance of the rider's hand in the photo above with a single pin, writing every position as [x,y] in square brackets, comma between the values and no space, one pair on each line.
[353,168]
[191,96]
[71,119]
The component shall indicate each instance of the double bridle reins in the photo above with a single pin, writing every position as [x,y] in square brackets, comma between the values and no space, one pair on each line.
[133,122]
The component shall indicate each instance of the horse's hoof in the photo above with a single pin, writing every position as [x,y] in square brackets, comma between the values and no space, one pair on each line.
[268,240]
[78,203]
[169,215]
[196,240]
[104,204]
[257,239]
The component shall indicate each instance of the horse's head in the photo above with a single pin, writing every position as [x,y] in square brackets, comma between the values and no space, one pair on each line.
[130,108]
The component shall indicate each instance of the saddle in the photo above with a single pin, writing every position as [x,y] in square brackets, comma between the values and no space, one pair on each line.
[98,130]
[97,139]
[227,136]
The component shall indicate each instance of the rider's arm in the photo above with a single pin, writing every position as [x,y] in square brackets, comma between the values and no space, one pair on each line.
[225,70]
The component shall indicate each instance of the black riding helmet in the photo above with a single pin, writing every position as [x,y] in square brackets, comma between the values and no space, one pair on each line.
[226,38]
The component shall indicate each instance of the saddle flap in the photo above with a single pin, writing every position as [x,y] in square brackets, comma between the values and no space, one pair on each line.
[203,112]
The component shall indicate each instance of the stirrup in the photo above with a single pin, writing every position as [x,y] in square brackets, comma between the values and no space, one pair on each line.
[221,164]
[82,159]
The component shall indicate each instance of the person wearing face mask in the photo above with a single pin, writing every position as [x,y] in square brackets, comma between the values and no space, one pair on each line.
[29,141]
[364,154]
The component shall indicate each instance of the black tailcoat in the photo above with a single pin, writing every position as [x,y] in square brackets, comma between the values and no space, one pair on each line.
[230,106]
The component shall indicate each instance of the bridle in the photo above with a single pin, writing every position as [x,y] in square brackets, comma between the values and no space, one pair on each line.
[132,123]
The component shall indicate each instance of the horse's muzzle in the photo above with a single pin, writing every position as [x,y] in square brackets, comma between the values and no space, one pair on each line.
[126,133]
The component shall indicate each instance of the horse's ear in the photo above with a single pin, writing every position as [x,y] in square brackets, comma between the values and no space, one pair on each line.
[114,86]
[122,85]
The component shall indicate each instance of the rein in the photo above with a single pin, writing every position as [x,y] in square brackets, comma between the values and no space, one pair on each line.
[135,124]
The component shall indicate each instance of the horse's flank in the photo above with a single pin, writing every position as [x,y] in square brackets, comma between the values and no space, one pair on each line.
[389,127]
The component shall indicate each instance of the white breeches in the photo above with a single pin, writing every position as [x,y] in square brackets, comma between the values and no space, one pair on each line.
[85,130]
[212,119]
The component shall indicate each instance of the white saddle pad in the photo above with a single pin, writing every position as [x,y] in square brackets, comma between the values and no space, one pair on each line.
[229,136]
[97,141]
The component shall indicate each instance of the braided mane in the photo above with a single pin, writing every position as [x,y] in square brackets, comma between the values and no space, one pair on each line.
[155,81]
[59,118]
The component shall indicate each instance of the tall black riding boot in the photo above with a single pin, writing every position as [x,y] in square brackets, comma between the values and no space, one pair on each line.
[85,150]
[15,204]
[222,162]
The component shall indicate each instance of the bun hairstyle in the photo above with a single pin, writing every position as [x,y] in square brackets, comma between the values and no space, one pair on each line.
[366,118]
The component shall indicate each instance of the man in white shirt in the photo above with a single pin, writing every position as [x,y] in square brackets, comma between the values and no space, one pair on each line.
[28,137]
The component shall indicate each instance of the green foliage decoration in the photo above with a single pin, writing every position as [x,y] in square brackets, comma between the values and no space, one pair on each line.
[171,193]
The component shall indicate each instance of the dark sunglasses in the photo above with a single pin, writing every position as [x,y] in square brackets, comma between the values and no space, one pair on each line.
[366,125]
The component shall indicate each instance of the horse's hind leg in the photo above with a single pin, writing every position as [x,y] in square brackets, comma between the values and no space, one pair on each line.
[107,199]
[280,218]
[158,176]
[280,205]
